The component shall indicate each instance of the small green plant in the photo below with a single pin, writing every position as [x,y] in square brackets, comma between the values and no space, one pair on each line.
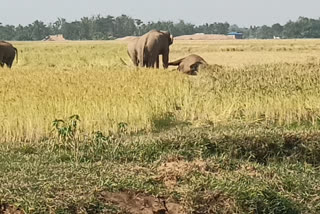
[122,128]
[164,121]
[99,137]
[66,130]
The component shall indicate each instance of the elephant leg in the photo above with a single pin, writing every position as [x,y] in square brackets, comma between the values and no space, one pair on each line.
[165,60]
[157,64]
[154,61]
[9,62]
[135,61]
[150,61]
[146,61]
[1,60]
[134,58]
[141,58]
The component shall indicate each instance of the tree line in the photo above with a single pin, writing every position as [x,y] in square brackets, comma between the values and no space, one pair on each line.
[110,27]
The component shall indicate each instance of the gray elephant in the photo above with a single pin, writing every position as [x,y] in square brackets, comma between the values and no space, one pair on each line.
[7,54]
[189,64]
[153,44]
[145,50]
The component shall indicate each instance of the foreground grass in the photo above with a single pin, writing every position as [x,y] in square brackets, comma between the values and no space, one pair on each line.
[250,170]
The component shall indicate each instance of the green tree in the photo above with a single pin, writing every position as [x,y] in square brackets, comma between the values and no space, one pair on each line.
[39,30]
[23,33]
[265,32]
[103,27]
[138,23]
[124,26]
[277,30]
[86,28]
[291,30]
[71,30]
[7,32]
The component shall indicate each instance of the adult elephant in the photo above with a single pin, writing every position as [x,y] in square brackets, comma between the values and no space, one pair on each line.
[151,45]
[144,51]
[7,53]
[189,64]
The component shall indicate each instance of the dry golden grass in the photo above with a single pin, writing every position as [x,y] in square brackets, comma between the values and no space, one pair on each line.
[266,81]
[247,52]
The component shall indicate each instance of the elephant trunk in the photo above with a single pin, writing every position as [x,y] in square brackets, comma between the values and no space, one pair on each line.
[177,62]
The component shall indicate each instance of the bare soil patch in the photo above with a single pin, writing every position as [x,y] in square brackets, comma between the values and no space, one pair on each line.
[141,203]
[10,209]
[171,172]
[212,202]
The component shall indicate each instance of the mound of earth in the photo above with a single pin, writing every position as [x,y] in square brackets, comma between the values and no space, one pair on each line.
[127,38]
[52,38]
[202,36]
[197,36]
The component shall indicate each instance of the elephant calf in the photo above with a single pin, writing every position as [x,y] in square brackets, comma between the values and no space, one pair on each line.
[189,64]
[7,54]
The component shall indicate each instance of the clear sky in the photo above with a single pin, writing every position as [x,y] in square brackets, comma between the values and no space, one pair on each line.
[241,12]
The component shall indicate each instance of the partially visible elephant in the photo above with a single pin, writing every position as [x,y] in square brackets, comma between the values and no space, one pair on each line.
[189,64]
[7,54]
[151,45]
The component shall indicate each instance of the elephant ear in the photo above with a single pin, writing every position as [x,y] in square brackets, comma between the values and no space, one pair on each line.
[170,36]
[171,39]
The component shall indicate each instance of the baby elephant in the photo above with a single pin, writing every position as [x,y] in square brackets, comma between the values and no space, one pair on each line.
[7,53]
[189,64]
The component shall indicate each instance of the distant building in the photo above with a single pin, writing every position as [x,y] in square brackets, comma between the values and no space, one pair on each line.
[236,35]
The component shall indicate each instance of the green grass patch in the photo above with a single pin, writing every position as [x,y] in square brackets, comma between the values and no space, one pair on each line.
[250,170]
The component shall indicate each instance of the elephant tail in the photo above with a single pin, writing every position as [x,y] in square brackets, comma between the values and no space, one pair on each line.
[177,62]
[16,53]
[123,62]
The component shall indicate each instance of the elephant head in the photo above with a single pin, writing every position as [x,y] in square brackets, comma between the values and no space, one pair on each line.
[169,36]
